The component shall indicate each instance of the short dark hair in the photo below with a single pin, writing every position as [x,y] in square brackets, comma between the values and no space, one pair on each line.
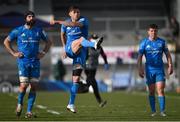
[27,13]
[154,26]
[72,8]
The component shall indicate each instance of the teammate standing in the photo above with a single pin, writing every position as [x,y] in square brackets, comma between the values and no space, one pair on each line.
[74,34]
[153,48]
[28,57]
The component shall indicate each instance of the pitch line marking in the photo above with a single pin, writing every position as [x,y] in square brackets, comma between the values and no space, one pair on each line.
[40,107]
[53,112]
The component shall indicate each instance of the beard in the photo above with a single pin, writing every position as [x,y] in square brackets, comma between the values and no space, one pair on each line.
[31,22]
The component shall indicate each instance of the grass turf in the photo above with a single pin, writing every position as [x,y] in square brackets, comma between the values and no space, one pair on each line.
[121,106]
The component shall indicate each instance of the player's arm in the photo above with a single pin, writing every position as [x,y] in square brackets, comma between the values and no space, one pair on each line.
[63,41]
[140,67]
[169,58]
[106,65]
[8,46]
[139,60]
[69,24]
[169,61]
[47,46]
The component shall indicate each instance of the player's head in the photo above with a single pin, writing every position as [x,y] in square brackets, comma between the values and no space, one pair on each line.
[29,18]
[74,12]
[153,31]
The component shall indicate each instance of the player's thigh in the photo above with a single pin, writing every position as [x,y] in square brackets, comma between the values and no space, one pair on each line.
[151,88]
[160,76]
[160,88]
[81,57]
[23,70]
[76,45]
[69,51]
[160,85]
[35,70]
[150,78]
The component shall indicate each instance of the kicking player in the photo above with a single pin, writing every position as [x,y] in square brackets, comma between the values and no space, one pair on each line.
[153,48]
[28,55]
[74,34]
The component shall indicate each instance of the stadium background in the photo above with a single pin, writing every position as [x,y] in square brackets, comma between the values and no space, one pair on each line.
[122,23]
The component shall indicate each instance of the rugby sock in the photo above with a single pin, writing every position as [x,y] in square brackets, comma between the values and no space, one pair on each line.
[152,103]
[20,97]
[86,43]
[31,100]
[74,89]
[161,103]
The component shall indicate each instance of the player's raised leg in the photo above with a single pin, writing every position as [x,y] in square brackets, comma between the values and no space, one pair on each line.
[82,42]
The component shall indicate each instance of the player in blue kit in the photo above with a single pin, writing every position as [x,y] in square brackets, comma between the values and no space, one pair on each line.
[74,34]
[28,55]
[153,48]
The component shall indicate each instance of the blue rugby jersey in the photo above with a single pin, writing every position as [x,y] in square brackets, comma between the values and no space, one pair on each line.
[73,33]
[28,41]
[153,51]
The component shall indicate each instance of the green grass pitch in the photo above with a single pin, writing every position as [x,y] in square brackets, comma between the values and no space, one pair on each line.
[121,106]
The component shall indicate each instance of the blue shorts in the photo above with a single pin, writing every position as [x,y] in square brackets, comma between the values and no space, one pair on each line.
[79,58]
[155,76]
[30,70]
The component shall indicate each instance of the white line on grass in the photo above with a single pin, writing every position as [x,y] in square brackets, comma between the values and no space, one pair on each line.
[53,112]
[41,107]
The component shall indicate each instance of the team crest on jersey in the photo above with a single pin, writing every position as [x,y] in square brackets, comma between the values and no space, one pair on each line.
[148,46]
[68,28]
[159,45]
[23,34]
[81,20]
[37,34]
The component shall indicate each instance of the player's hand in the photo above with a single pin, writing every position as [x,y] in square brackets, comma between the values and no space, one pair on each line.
[40,55]
[170,70]
[52,21]
[18,54]
[64,55]
[141,72]
[106,66]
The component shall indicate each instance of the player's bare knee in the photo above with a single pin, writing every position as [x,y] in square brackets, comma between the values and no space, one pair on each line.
[160,92]
[23,87]
[77,70]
